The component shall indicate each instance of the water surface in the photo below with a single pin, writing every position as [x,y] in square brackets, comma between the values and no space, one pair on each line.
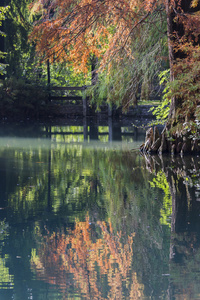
[84,216]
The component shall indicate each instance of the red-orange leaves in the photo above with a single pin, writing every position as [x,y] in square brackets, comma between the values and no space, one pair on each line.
[94,257]
[74,30]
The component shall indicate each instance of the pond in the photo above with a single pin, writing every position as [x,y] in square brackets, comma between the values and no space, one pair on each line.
[83,215]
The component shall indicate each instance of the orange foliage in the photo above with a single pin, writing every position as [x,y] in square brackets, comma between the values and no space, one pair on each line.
[74,30]
[79,30]
[91,260]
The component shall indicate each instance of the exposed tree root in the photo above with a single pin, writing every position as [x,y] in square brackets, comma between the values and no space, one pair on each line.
[156,143]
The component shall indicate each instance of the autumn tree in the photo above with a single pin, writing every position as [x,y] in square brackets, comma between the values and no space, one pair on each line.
[78,30]
[109,36]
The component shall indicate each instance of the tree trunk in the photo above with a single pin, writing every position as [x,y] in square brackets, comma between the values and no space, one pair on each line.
[170,29]
[94,61]
[94,79]
[172,140]
[173,9]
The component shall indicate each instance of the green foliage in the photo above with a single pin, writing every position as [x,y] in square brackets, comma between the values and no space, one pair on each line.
[191,129]
[160,181]
[186,85]
[19,97]
[3,11]
[20,57]
[185,90]
[134,76]
[62,74]
[161,111]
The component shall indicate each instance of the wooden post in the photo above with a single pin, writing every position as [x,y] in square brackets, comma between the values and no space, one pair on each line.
[110,125]
[84,103]
[110,111]
[85,129]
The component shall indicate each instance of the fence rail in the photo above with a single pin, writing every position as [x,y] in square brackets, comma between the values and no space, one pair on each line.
[66,98]
[69,88]
[82,98]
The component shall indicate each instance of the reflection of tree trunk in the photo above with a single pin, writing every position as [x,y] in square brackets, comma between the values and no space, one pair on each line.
[179,203]
[185,218]
[110,126]
[184,204]
[49,182]
[49,178]
[182,225]
[94,180]
[85,129]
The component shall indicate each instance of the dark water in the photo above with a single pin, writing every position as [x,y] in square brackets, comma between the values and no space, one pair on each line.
[84,216]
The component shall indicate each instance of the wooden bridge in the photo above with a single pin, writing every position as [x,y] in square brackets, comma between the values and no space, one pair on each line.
[82,98]
[138,111]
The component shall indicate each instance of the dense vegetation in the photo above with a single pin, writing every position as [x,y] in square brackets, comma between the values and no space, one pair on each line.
[121,48]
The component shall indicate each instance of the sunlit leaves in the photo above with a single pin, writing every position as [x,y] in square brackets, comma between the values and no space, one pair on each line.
[160,181]
[194,3]
[73,30]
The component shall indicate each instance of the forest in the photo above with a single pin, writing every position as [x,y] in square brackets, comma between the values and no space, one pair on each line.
[125,51]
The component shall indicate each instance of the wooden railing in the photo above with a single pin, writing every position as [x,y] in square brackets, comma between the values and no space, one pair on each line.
[82,98]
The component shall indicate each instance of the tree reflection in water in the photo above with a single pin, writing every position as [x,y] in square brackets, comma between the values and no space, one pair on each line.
[183,177]
[96,262]
[95,259]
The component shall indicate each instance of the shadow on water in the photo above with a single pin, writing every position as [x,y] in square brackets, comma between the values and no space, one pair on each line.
[96,220]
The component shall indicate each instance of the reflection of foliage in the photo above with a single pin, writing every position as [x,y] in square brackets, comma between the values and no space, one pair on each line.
[3,231]
[5,278]
[160,181]
[184,270]
[75,174]
[109,183]
[100,264]
[181,176]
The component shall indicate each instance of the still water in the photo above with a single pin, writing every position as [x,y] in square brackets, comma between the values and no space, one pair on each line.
[84,216]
